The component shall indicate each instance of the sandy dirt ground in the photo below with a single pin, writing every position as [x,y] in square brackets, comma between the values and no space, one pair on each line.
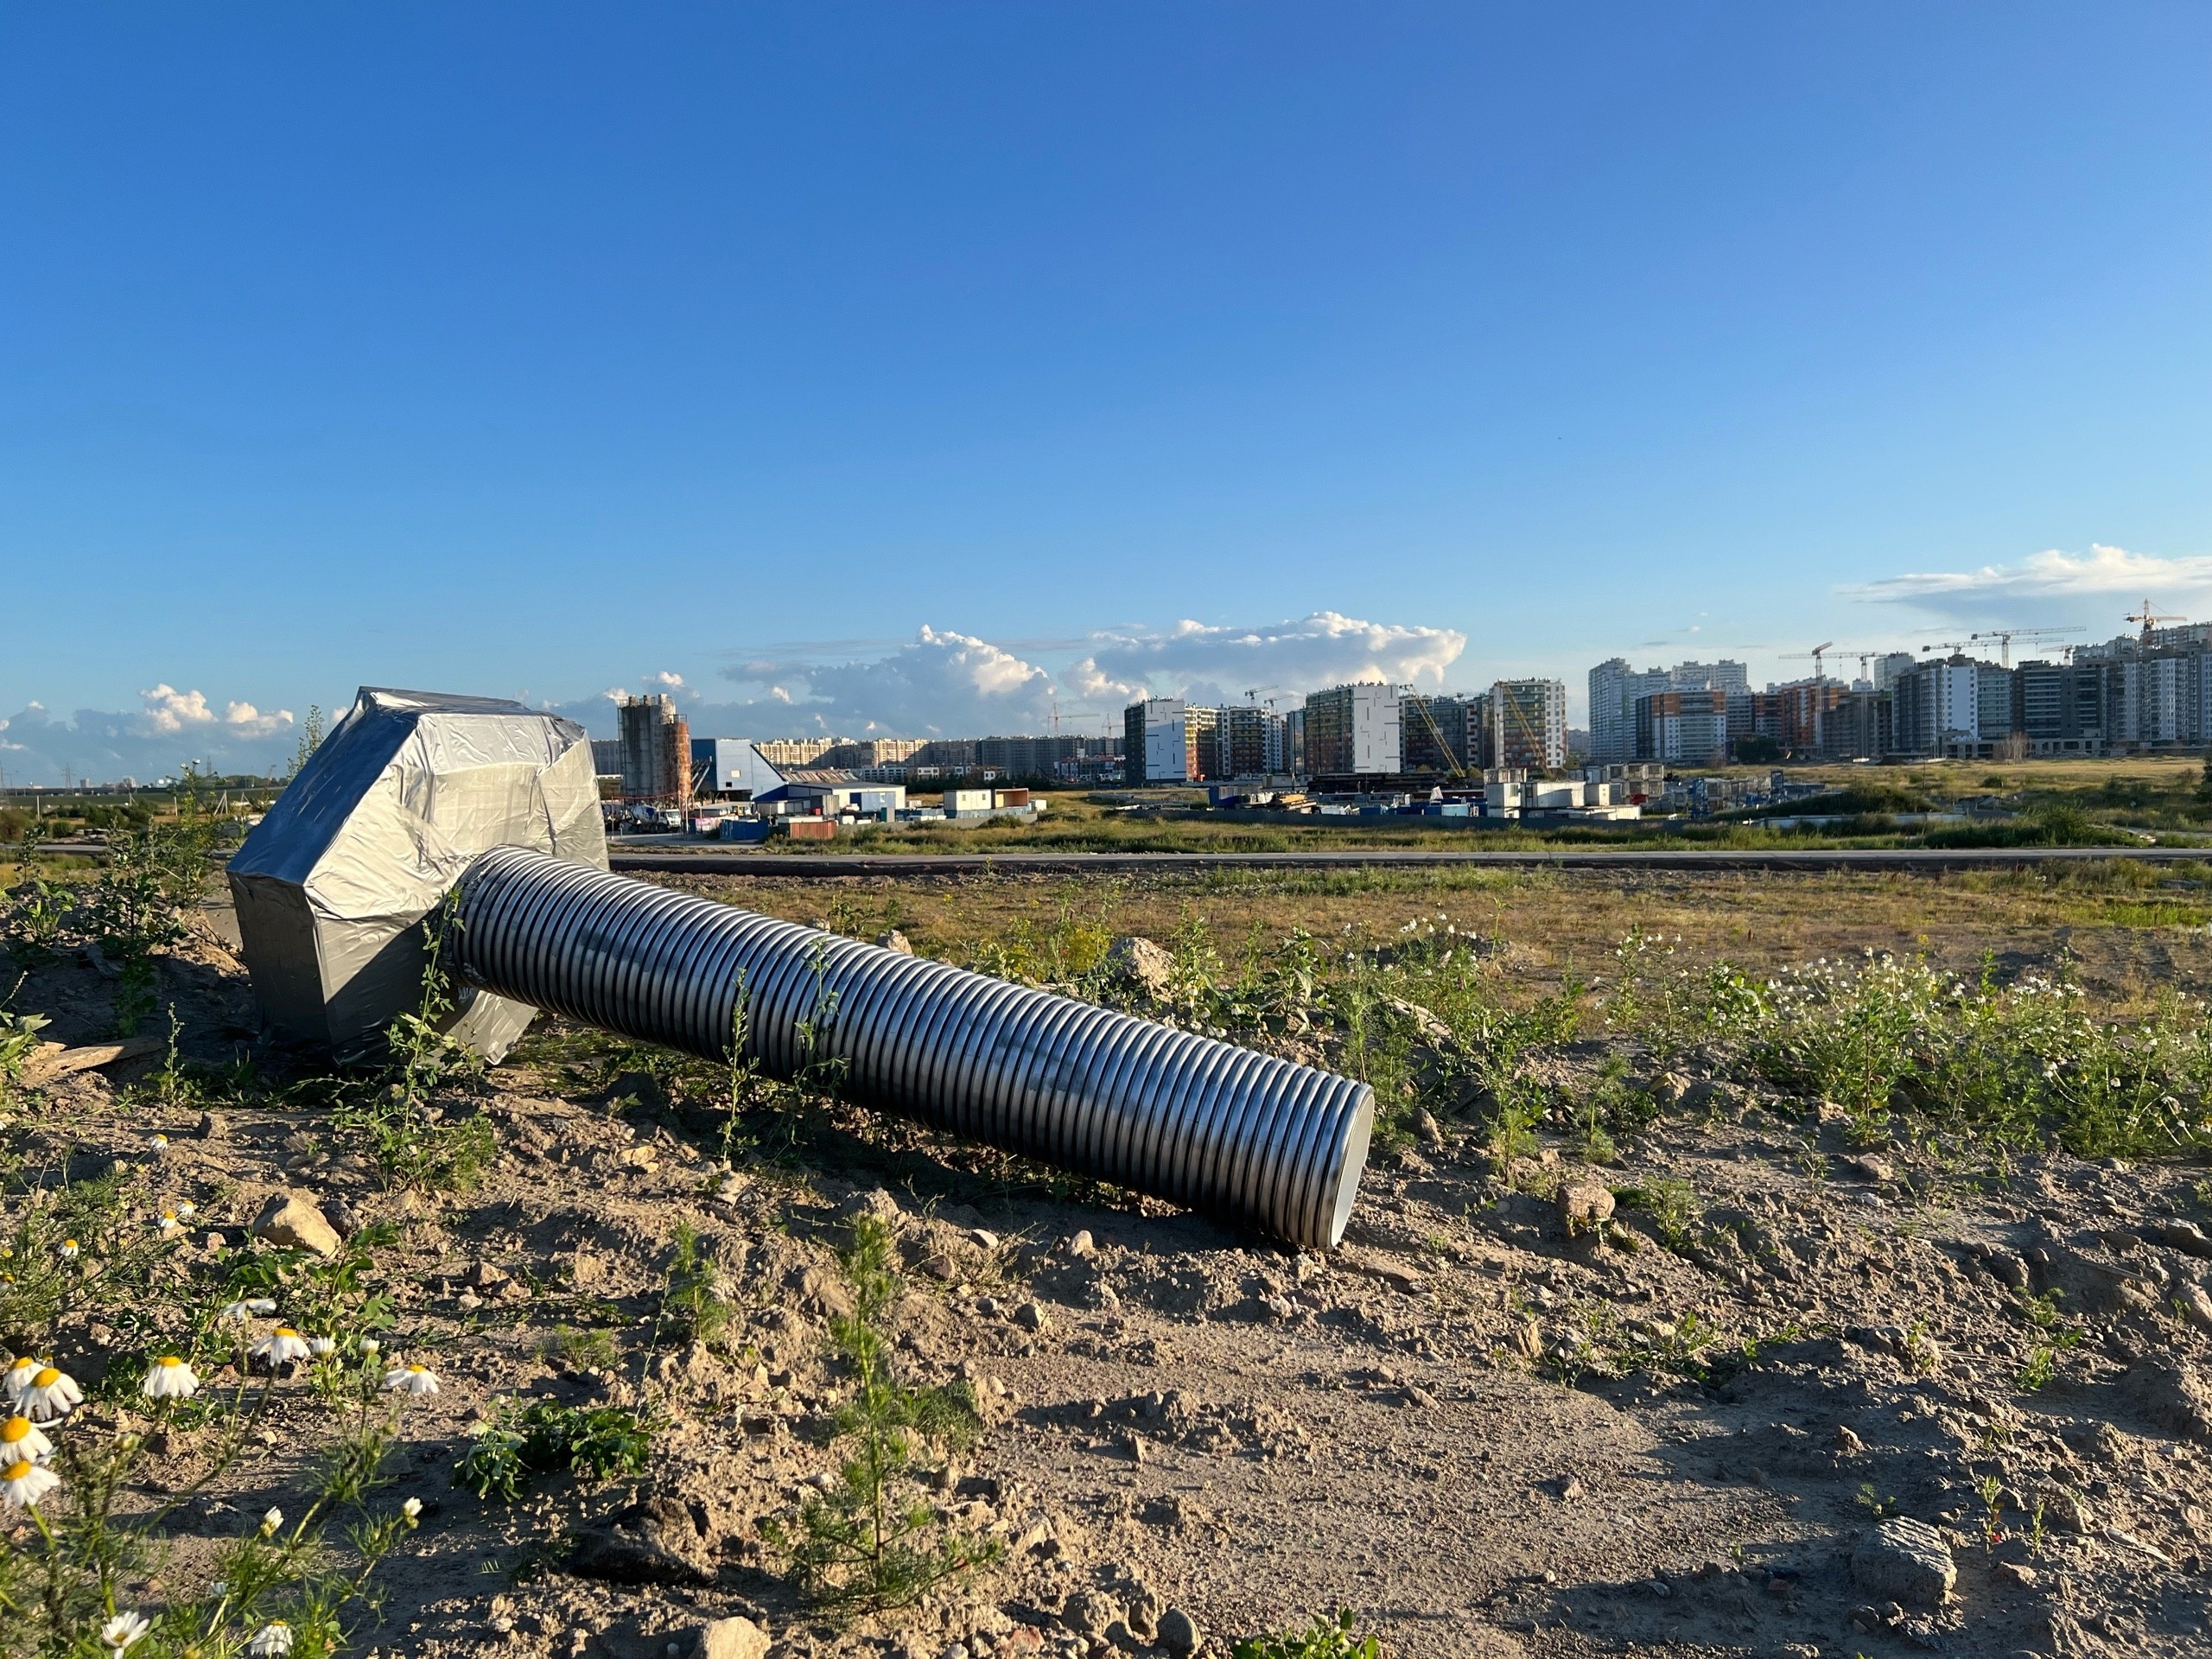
[1781,1412]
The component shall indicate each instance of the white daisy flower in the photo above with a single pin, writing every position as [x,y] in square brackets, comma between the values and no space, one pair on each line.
[122,1630]
[271,1521]
[187,1208]
[246,1307]
[52,1394]
[20,1439]
[171,1379]
[271,1641]
[157,1143]
[322,1347]
[280,1347]
[370,1346]
[168,1226]
[410,1379]
[70,1249]
[18,1377]
[412,1509]
[22,1484]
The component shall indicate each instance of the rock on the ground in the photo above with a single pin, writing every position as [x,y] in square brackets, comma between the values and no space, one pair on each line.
[655,1541]
[2171,1395]
[1583,1205]
[289,1219]
[1178,1632]
[896,943]
[2195,1306]
[729,1639]
[1907,1561]
[1143,963]
[2186,1237]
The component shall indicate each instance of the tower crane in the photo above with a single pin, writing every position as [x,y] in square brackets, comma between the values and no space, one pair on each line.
[1820,651]
[2005,636]
[2150,618]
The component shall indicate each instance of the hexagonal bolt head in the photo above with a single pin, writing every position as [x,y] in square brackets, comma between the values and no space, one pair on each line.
[334,885]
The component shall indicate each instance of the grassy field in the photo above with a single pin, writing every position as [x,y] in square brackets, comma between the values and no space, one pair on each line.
[2125,931]
[2052,803]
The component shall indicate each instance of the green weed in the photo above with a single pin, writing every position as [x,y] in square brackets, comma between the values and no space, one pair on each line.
[1325,1638]
[860,1544]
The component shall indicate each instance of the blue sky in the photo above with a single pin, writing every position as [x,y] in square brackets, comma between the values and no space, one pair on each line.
[540,350]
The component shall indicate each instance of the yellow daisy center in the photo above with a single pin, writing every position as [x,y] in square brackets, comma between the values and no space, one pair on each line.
[171,1359]
[417,1370]
[13,1429]
[46,1378]
[17,1471]
[286,1331]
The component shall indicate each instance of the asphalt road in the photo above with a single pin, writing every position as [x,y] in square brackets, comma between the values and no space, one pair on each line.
[711,860]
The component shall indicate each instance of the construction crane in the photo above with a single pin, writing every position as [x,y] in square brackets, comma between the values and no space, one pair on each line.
[2005,636]
[1407,693]
[2150,618]
[1820,651]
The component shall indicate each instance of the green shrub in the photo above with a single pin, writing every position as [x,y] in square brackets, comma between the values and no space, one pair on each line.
[596,1443]
[1323,1639]
[866,1543]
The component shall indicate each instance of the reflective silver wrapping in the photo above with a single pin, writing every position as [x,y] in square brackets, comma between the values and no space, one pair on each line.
[1262,1142]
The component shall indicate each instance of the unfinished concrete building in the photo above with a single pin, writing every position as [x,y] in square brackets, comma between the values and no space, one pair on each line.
[656,751]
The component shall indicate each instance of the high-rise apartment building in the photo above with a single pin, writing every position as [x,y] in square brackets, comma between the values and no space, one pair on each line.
[1614,689]
[1443,735]
[1154,743]
[1353,731]
[1683,726]
[1528,724]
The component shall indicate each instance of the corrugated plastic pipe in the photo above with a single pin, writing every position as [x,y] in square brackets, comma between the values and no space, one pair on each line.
[1249,1137]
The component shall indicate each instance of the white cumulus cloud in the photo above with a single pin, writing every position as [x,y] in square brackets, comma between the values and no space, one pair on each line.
[946,684]
[1210,663]
[167,710]
[2092,588]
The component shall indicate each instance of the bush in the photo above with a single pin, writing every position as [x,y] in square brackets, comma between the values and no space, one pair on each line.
[598,1444]
[1323,1639]
[861,1544]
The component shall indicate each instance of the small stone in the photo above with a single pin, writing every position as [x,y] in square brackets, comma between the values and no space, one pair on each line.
[1083,1245]
[982,1238]
[1030,1316]
[214,1243]
[482,1275]
[1906,1560]
[2019,1572]
[208,1127]
[896,943]
[1143,963]
[1871,1168]
[1427,1130]
[1417,1395]
[1583,1206]
[289,1219]
[2195,1306]
[2186,1237]
[729,1639]
[1088,1613]
[1847,1442]
[468,1301]
[1178,1632]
